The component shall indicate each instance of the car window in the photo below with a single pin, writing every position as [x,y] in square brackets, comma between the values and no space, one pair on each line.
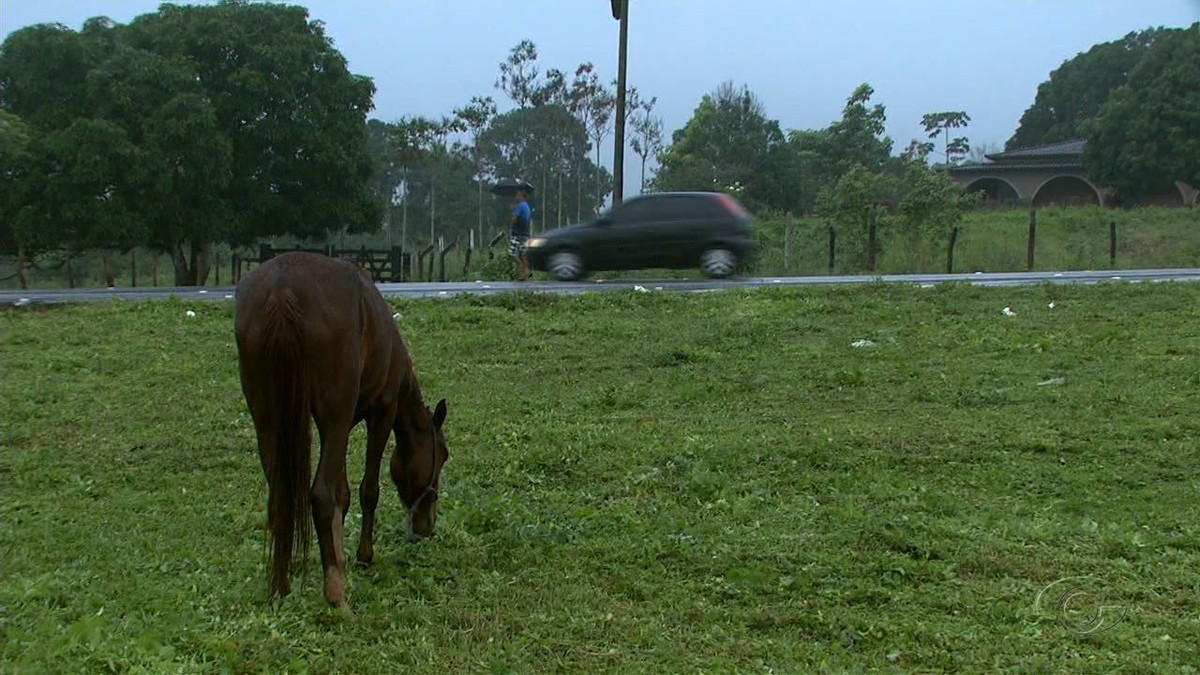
[663,208]
[634,211]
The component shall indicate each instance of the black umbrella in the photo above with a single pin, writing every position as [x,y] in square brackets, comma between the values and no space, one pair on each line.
[508,187]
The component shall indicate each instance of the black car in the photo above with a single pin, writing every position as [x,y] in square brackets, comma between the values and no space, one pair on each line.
[670,230]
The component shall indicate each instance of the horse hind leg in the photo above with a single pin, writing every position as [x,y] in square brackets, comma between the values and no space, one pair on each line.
[330,501]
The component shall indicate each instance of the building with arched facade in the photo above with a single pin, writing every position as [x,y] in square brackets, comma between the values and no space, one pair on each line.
[1051,174]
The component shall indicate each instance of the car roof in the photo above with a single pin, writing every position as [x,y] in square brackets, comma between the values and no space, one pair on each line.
[657,195]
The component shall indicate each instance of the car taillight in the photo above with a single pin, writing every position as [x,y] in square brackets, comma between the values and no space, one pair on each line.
[731,205]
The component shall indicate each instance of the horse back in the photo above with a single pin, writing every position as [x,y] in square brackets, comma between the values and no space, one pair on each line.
[335,311]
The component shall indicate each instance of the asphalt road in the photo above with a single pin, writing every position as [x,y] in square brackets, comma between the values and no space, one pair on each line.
[450,289]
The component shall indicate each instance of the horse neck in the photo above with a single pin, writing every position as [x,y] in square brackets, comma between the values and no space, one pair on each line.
[411,406]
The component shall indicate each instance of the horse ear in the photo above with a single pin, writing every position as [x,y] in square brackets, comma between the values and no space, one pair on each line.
[439,414]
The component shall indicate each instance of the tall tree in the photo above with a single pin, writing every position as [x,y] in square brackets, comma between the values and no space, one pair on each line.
[225,122]
[647,137]
[1079,87]
[728,141]
[523,141]
[475,117]
[1147,135]
[14,177]
[519,73]
[858,137]
[940,124]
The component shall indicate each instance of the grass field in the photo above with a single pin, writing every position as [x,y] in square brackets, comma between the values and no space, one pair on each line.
[639,482]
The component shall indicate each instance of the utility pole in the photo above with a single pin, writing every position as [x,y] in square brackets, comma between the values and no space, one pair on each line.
[620,9]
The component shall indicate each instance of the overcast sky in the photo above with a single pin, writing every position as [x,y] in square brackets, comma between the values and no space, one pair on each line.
[801,57]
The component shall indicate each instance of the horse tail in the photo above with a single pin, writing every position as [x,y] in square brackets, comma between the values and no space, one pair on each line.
[287,461]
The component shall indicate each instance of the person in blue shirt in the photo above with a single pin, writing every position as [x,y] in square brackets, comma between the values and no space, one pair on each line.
[521,218]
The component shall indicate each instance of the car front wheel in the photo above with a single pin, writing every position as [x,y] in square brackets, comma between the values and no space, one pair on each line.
[718,262]
[565,265]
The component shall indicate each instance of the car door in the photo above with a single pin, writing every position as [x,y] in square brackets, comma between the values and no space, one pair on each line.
[678,223]
[631,239]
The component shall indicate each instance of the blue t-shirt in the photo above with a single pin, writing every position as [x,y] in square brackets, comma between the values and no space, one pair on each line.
[523,214]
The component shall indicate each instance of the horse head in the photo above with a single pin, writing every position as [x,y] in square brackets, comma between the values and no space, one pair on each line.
[416,468]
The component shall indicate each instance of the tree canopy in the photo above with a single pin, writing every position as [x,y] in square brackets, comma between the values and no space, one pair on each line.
[190,126]
[1079,87]
[729,143]
[1147,134]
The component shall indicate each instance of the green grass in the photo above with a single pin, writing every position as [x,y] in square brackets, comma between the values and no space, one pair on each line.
[996,241]
[639,482]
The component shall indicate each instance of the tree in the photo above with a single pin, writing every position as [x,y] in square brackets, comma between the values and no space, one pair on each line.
[1147,135]
[599,116]
[933,204]
[729,140]
[1079,87]
[228,122]
[519,73]
[857,138]
[14,175]
[475,117]
[524,141]
[647,138]
[849,206]
[940,124]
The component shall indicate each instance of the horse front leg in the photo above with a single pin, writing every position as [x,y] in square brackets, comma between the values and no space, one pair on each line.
[379,429]
[330,501]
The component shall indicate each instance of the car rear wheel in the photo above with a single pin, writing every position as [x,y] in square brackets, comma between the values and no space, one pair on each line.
[565,265]
[718,262]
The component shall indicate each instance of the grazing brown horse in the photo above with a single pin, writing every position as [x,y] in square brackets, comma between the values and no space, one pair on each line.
[316,340]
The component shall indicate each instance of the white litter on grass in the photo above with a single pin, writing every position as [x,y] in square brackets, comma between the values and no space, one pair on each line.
[926,285]
[397,316]
[1007,311]
[640,289]
[190,313]
[862,344]
[1052,382]
[1051,305]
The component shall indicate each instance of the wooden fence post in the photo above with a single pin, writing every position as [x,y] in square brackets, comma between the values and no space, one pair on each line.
[421,263]
[871,233]
[787,244]
[470,249]
[832,248]
[1032,238]
[442,259]
[397,263]
[110,281]
[950,250]
[1112,243]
